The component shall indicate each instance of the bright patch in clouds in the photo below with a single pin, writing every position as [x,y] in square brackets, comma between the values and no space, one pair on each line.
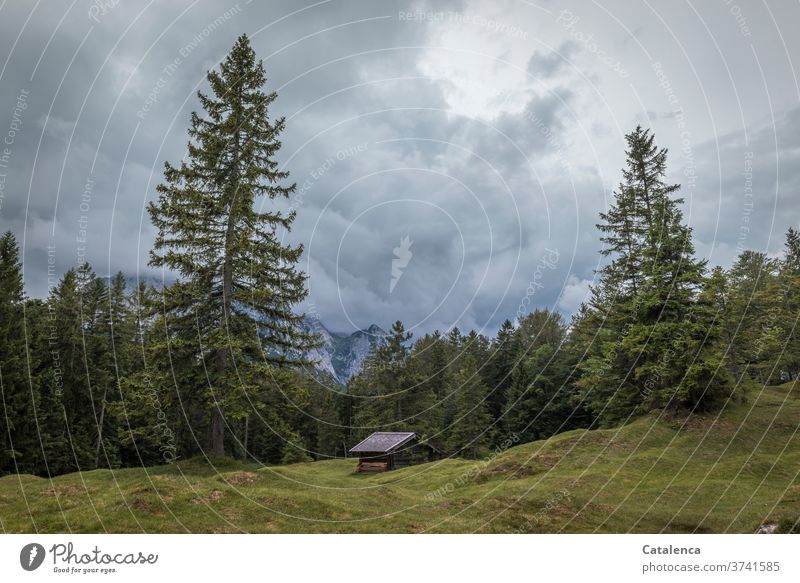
[575,293]
[480,55]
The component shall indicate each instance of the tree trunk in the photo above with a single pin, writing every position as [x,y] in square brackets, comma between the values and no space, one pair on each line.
[246,431]
[100,429]
[217,441]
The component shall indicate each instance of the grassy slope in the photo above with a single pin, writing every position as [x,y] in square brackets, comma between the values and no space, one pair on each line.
[704,474]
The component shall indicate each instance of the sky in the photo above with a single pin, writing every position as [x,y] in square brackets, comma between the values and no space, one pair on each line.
[451,157]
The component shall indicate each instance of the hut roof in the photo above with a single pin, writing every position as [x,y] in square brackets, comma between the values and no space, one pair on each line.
[383,442]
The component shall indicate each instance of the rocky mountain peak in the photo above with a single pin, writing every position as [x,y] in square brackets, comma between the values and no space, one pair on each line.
[342,355]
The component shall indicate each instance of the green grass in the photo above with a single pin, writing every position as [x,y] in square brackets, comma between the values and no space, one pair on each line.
[714,473]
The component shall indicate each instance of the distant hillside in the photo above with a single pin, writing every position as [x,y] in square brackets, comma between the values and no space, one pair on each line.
[731,473]
[341,355]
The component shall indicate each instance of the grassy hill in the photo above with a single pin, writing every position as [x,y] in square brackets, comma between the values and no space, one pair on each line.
[716,473]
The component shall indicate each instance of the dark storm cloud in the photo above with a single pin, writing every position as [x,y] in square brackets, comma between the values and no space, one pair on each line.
[424,137]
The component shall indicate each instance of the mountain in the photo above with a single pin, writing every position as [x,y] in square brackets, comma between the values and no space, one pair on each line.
[341,355]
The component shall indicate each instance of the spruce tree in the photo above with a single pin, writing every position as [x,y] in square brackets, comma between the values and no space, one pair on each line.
[627,226]
[109,351]
[325,432]
[428,370]
[789,276]
[69,427]
[470,433]
[707,382]
[539,401]
[500,366]
[755,316]
[17,431]
[648,331]
[40,361]
[381,389]
[678,358]
[158,409]
[238,281]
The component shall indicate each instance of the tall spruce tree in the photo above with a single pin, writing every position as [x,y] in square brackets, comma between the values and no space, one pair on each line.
[238,281]
[17,435]
[678,361]
[109,350]
[67,422]
[627,225]
[649,337]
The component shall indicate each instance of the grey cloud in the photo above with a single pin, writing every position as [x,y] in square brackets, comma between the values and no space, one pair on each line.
[546,64]
[348,76]
[749,201]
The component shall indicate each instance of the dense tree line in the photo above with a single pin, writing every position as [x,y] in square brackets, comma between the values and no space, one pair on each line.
[660,331]
[105,374]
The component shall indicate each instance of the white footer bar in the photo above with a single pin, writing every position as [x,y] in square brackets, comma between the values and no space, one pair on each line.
[400,558]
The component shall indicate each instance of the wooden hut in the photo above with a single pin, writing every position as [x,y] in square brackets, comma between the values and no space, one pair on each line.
[388,450]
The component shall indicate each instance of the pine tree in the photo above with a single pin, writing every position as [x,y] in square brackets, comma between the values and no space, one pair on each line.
[382,388]
[628,225]
[789,277]
[470,433]
[540,403]
[238,281]
[707,382]
[755,315]
[69,427]
[157,405]
[426,400]
[499,368]
[325,434]
[17,400]
[651,343]
[112,333]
